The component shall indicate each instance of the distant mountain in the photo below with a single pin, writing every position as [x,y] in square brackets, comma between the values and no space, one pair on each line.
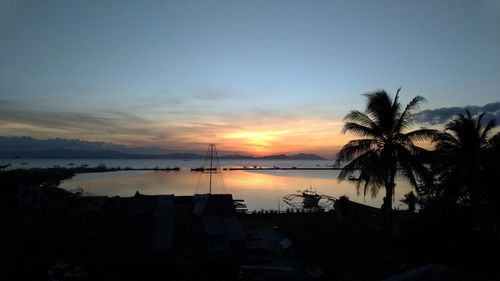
[306,156]
[65,154]
[179,156]
[236,156]
[10,144]
[112,154]
[27,147]
[84,154]
[301,156]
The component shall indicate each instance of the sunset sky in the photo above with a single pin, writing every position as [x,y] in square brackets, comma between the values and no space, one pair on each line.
[257,77]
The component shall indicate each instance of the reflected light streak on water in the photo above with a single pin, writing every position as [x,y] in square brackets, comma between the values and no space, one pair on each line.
[259,189]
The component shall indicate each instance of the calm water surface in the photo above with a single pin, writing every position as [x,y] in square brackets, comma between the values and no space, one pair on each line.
[259,189]
[161,163]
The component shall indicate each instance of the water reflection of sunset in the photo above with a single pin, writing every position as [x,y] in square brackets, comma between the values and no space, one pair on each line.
[259,189]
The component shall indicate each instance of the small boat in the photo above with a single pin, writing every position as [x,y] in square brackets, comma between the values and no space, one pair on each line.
[203,169]
[309,198]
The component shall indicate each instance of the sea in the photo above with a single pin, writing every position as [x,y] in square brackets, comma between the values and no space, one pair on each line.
[260,189]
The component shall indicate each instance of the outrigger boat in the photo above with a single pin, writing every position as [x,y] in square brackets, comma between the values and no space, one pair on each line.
[310,199]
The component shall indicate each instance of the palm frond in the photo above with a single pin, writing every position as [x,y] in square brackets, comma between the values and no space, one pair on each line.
[356,147]
[494,141]
[360,130]
[411,167]
[379,106]
[479,119]
[422,134]
[361,118]
[486,131]
[445,138]
[370,174]
[395,103]
[405,120]
[357,163]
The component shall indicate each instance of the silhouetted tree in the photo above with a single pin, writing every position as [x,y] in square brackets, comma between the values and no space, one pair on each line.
[461,158]
[386,146]
[411,200]
[492,190]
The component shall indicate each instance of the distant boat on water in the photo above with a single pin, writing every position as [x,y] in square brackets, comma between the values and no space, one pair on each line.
[203,169]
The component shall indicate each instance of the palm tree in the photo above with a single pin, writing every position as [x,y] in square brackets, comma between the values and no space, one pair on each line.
[462,150]
[385,146]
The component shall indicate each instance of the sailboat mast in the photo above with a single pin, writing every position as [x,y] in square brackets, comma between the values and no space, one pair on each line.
[211,158]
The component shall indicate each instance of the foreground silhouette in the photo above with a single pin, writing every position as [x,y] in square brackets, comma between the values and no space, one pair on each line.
[461,159]
[465,188]
[50,233]
[386,146]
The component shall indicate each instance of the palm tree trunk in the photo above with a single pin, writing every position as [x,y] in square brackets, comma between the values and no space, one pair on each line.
[389,187]
[387,206]
[389,194]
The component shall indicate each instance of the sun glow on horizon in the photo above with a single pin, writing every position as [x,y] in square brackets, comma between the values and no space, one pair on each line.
[258,141]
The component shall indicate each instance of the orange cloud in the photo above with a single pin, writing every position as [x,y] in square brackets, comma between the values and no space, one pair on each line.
[262,134]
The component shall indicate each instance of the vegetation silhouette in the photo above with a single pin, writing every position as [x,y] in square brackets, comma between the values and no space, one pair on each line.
[456,183]
[465,167]
[410,199]
[461,154]
[386,146]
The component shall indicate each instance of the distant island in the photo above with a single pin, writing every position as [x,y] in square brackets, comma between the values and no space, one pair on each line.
[31,148]
[300,156]
[112,154]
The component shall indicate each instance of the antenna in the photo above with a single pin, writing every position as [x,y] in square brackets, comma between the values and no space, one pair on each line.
[210,165]
[211,159]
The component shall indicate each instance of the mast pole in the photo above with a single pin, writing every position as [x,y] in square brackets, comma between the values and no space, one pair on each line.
[211,157]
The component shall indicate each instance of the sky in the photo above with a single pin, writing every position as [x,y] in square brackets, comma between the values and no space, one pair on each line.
[255,77]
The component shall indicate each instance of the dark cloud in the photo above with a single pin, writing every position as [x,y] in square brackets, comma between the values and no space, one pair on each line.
[444,114]
[105,122]
[109,125]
